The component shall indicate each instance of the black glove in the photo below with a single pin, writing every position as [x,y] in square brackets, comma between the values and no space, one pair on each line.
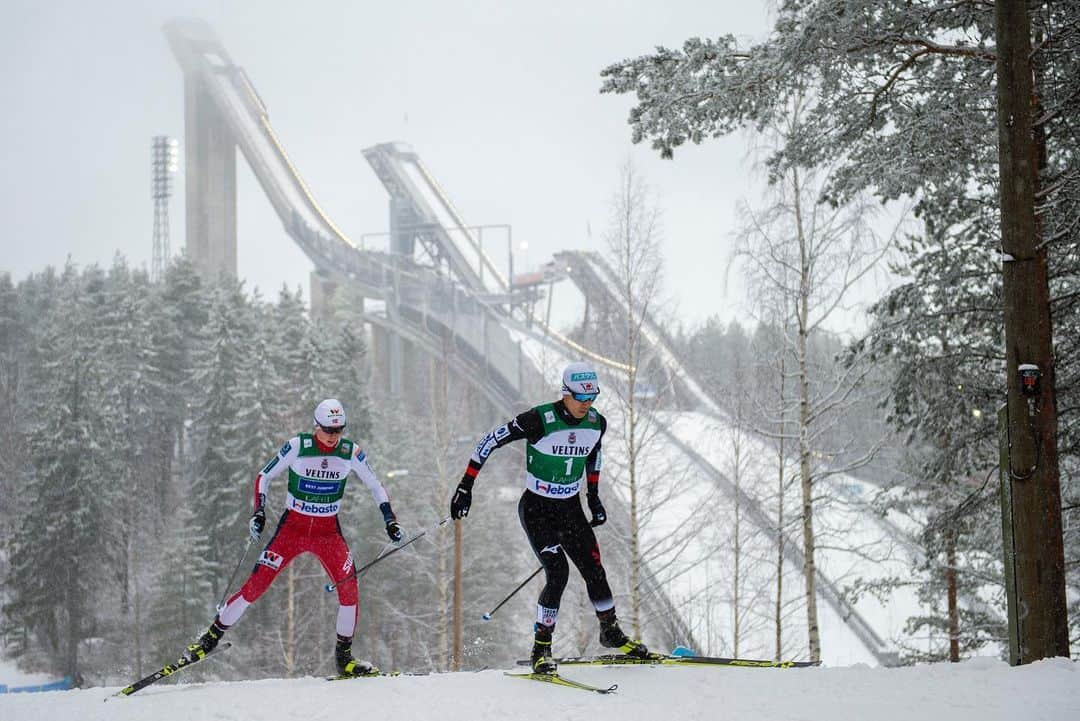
[393,530]
[257,523]
[462,500]
[599,515]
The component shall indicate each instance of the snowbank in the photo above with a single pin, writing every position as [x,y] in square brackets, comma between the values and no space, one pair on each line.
[978,690]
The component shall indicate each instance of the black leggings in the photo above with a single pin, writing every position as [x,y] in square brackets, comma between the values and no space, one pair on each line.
[557,528]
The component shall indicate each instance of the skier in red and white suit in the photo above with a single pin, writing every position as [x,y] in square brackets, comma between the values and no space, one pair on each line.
[319,464]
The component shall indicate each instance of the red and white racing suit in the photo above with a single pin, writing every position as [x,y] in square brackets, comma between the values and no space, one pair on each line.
[317,476]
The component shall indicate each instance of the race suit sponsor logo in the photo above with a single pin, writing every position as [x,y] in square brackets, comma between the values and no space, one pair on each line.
[315,509]
[549,416]
[318,488]
[570,450]
[285,449]
[347,566]
[270,559]
[555,489]
[486,445]
[319,473]
[546,616]
[360,455]
[502,432]
[326,463]
[270,465]
[551,549]
[572,438]
[307,443]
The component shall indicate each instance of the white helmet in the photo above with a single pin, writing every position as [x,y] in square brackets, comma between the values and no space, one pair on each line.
[330,414]
[580,379]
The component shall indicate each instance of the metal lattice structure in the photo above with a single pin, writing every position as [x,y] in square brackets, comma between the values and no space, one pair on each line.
[163,159]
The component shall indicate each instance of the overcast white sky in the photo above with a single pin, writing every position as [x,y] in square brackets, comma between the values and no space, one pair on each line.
[500,100]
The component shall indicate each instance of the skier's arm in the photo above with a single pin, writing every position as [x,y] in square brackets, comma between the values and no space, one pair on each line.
[526,425]
[361,468]
[358,463]
[592,479]
[279,462]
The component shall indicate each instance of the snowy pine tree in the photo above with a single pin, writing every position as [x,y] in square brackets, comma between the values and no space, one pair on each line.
[62,538]
[224,413]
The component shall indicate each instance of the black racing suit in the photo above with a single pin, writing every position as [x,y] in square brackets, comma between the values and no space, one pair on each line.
[556,527]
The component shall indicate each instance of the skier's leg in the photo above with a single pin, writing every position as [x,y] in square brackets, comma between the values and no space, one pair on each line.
[281,549]
[543,536]
[579,540]
[333,553]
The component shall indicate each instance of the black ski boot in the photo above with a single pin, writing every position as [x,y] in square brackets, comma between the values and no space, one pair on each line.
[611,636]
[541,651]
[207,642]
[346,664]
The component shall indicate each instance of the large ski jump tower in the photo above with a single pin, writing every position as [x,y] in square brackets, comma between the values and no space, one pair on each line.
[209,154]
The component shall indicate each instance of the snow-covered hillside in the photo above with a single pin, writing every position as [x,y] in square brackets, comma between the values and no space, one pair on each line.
[977,690]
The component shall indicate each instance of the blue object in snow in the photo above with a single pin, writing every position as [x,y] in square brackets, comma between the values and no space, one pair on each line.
[62,685]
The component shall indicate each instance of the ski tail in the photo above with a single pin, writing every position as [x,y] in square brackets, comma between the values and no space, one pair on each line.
[168,670]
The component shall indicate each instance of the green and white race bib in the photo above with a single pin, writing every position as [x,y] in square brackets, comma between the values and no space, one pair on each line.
[555,464]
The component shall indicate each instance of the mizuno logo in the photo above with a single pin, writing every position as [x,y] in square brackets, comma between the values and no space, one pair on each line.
[550,549]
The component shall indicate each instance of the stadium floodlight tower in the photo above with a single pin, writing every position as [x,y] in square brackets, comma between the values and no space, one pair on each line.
[163,163]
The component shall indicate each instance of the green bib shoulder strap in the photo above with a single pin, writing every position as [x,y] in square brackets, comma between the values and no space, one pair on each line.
[308,447]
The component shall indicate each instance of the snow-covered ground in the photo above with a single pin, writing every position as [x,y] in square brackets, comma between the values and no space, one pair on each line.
[978,690]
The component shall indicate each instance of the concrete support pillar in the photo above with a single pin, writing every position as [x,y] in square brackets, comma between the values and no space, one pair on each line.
[210,189]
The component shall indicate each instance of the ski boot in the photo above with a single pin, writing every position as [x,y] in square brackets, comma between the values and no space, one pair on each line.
[349,666]
[611,636]
[541,651]
[541,658]
[206,643]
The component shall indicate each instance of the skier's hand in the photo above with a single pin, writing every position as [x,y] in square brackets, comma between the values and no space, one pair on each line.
[460,503]
[599,515]
[257,523]
[393,530]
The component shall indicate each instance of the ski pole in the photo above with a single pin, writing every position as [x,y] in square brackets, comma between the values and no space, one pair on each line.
[357,571]
[487,616]
[221,603]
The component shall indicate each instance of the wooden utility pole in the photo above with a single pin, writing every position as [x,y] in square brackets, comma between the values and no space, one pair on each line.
[455,663]
[1034,555]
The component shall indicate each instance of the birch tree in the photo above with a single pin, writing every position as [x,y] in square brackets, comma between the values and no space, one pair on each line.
[806,259]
